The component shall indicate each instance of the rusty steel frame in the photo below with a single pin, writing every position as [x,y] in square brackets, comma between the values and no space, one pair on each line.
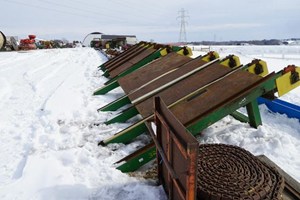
[176,173]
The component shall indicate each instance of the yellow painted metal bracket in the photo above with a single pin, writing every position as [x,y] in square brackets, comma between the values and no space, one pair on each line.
[164,52]
[258,67]
[186,51]
[231,61]
[210,56]
[288,81]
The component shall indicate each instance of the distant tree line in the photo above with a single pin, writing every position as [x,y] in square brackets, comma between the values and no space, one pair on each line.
[244,42]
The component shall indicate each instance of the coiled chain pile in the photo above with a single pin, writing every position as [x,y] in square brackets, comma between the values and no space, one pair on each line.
[230,172]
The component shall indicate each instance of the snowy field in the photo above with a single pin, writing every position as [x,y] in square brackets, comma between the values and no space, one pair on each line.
[48,136]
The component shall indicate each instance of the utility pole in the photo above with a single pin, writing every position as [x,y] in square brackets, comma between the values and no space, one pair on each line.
[182,17]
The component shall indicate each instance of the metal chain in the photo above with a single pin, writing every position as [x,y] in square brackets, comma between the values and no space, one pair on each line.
[230,172]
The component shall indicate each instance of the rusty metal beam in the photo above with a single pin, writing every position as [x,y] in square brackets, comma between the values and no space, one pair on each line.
[177,153]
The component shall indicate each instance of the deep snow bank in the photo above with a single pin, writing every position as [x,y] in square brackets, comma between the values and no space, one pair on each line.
[48,142]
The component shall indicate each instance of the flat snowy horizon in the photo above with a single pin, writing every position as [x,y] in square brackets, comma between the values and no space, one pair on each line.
[50,127]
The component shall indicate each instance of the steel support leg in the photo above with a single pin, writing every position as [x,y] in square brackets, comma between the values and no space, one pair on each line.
[253,114]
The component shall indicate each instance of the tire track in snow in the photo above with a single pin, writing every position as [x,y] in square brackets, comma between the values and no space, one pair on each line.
[22,132]
[38,69]
[49,76]
[37,84]
[10,64]
[51,94]
[36,131]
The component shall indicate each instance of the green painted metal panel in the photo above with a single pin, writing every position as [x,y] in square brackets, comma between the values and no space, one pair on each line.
[115,105]
[106,74]
[124,116]
[102,67]
[107,88]
[127,134]
[138,161]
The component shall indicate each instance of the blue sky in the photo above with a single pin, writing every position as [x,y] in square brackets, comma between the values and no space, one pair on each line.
[149,19]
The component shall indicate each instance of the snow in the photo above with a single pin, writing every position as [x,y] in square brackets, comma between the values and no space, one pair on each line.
[48,141]
[50,127]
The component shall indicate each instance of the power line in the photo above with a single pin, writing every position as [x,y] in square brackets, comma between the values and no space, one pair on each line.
[183,22]
[111,14]
[53,9]
[94,16]
[118,11]
[141,5]
[86,11]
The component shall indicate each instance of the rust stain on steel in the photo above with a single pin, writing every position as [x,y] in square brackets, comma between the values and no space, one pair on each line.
[187,67]
[129,63]
[214,96]
[124,58]
[152,70]
[177,158]
[230,172]
[185,87]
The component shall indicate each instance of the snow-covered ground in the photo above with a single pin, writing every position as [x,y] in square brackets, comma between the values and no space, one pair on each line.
[49,127]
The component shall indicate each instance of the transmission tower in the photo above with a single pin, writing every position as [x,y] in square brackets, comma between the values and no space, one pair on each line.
[182,17]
